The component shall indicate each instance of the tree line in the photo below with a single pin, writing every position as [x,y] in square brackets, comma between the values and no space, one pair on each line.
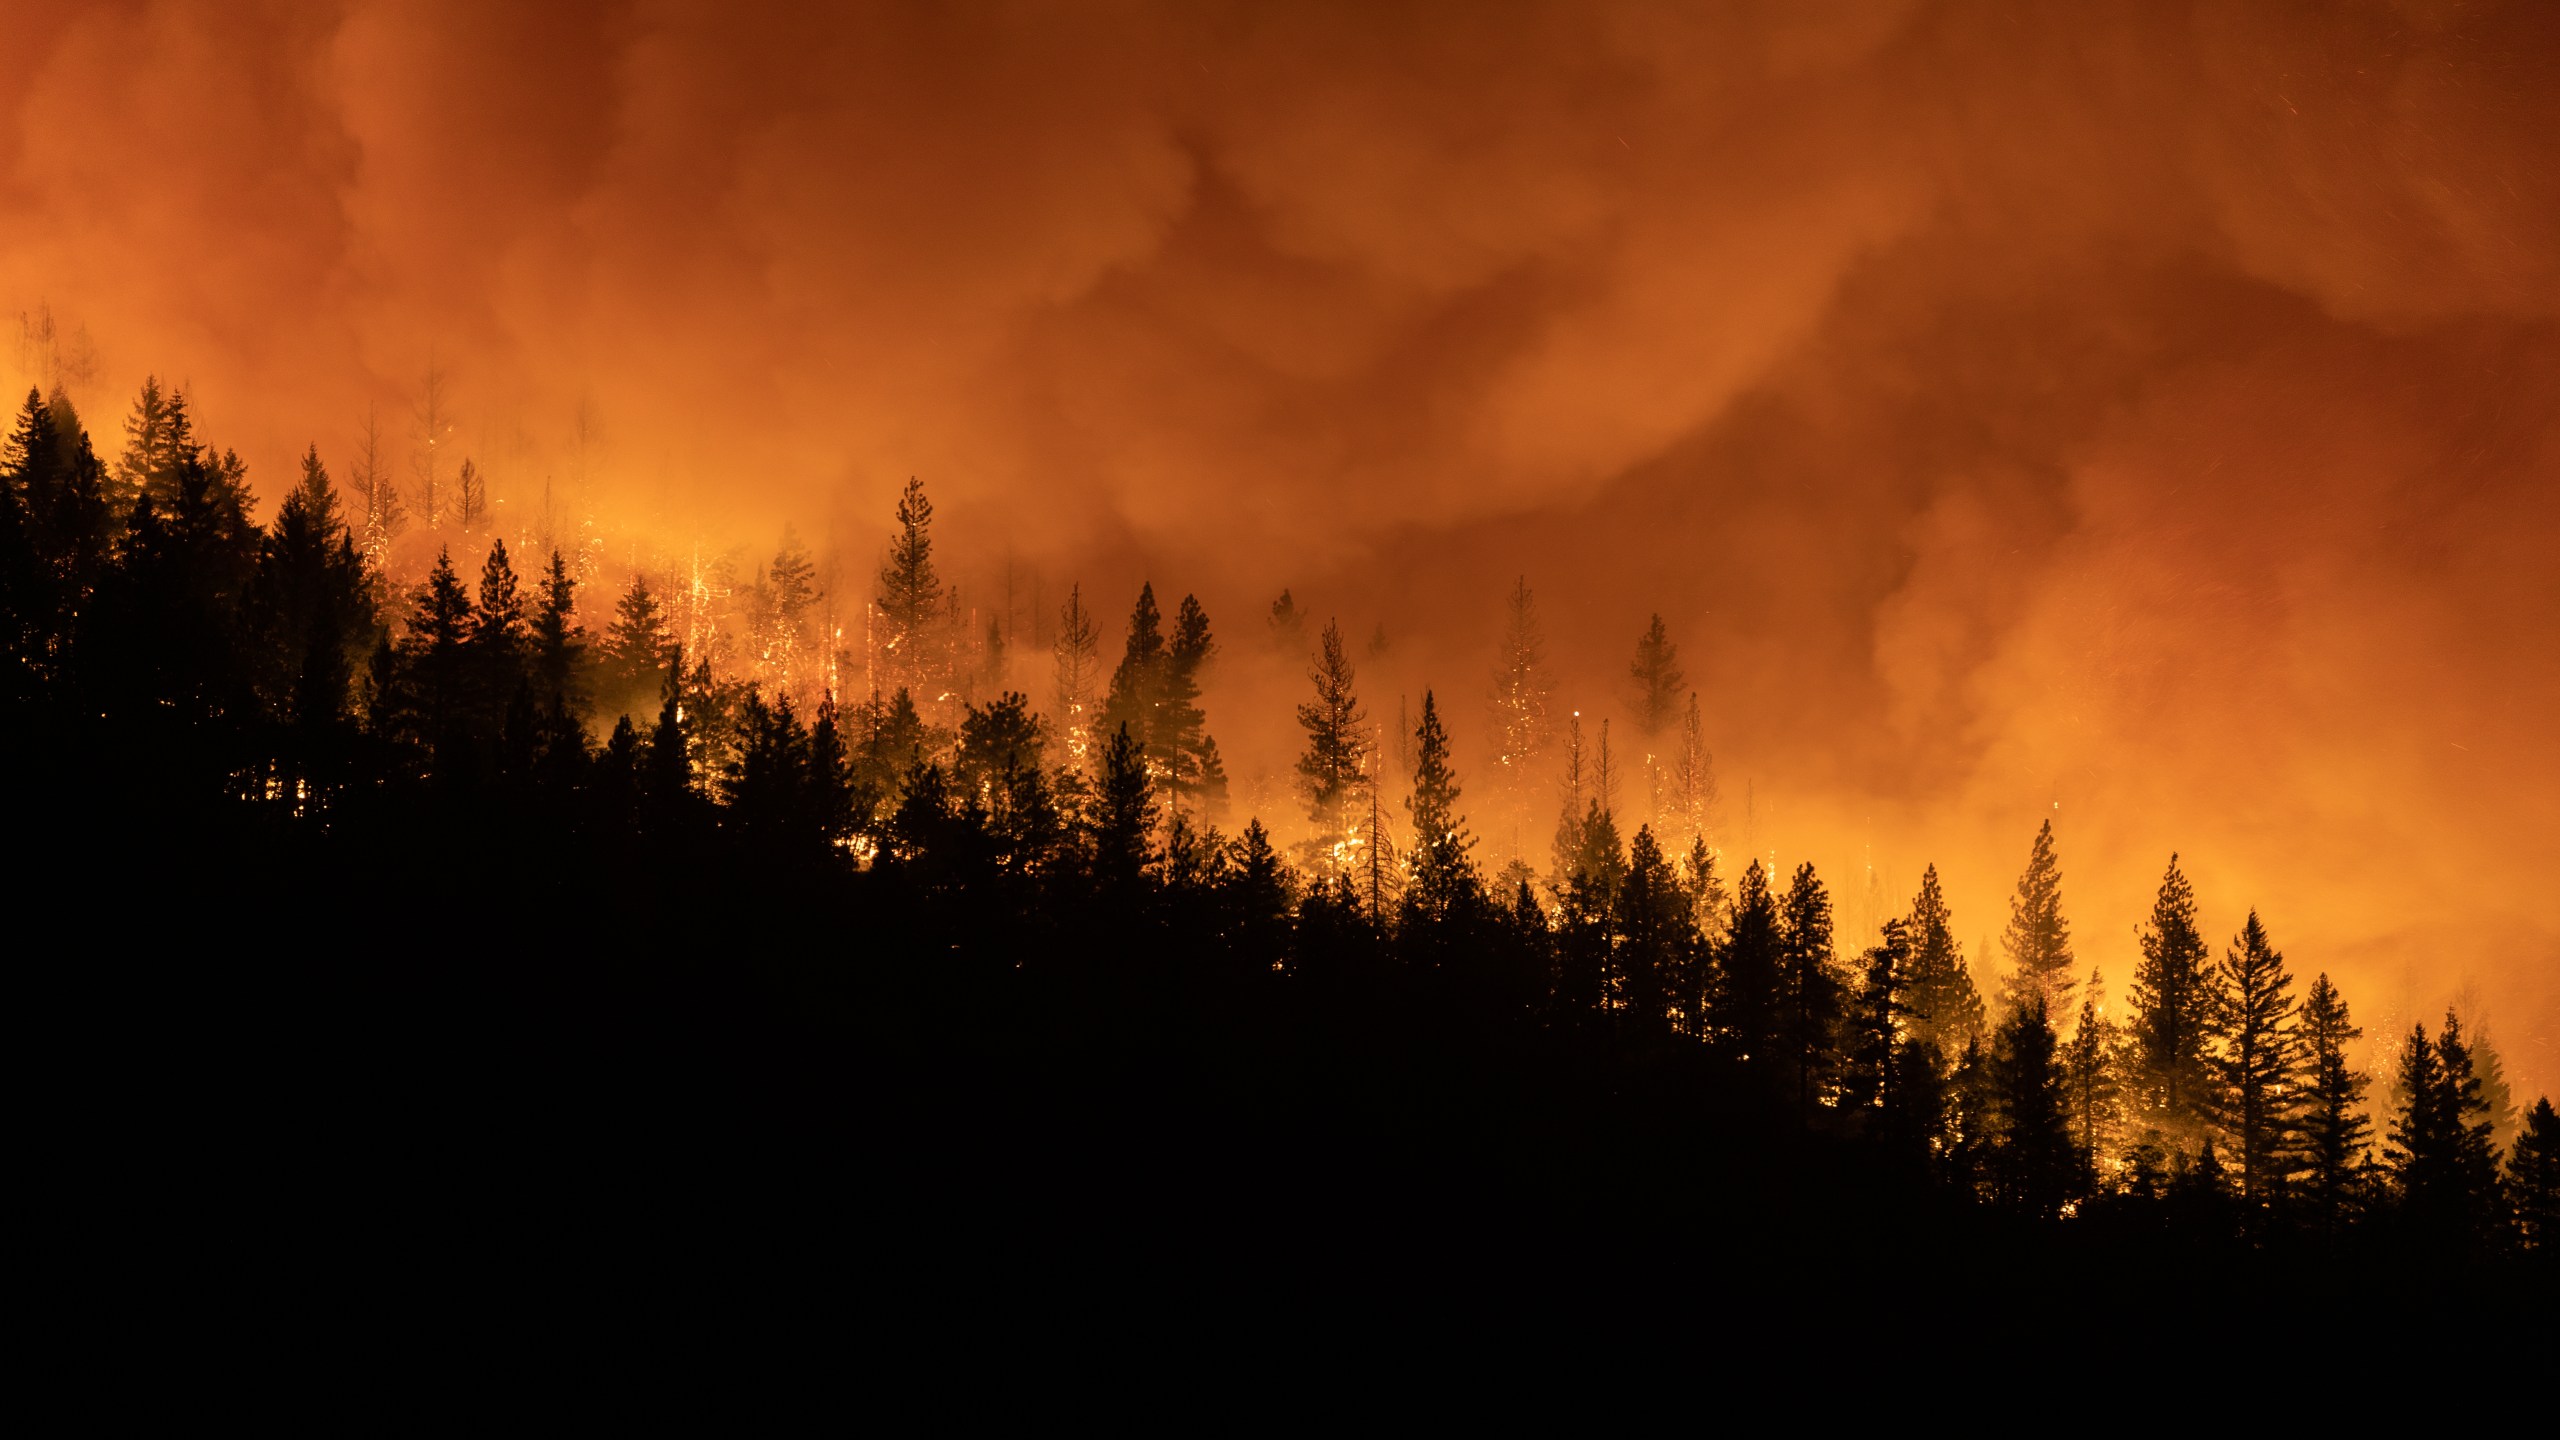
[150,630]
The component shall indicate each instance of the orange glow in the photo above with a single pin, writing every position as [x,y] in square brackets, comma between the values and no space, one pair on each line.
[2140,417]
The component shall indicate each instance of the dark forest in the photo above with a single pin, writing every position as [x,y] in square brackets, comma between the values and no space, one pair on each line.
[475,917]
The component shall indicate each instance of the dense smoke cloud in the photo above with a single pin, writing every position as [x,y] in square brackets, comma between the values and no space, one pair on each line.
[2142,409]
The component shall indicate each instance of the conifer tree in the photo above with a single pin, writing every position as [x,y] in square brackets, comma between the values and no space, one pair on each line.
[912,599]
[1125,817]
[2092,1087]
[1587,936]
[1335,768]
[1287,625]
[1521,689]
[499,635]
[2173,1009]
[2334,1132]
[1693,777]
[1810,986]
[1137,694]
[1708,905]
[791,593]
[638,653]
[1746,1011]
[997,739]
[1657,692]
[2257,1064]
[432,427]
[2038,940]
[2034,1165]
[382,513]
[311,603]
[158,437]
[1973,1120]
[2441,1160]
[1946,1009]
[62,494]
[1194,774]
[471,498]
[559,642]
[1078,668]
[1657,939]
[2533,1183]
[435,652]
[1871,1036]
[1567,846]
[1444,873]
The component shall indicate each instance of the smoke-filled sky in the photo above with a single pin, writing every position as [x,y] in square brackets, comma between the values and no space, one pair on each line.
[2138,409]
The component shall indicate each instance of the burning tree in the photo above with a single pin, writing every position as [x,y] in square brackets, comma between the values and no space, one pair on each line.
[1077,654]
[1521,688]
[1658,688]
[1334,771]
[912,603]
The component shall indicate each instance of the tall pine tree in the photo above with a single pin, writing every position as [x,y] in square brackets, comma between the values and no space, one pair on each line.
[2257,1064]
[2038,940]
[2334,1133]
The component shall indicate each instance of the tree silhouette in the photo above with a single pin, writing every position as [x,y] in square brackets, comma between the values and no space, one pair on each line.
[2173,1009]
[1334,770]
[1946,1010]
[2038,940]
[1444,875]
[2334,1132]
[2258,1061]
[911,599]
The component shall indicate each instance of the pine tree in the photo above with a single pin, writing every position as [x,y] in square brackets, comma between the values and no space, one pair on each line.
[311,603]
[638,653]
[1444,874]
[158,439]
[1190,757]
[791,592]
[499,643]
[1287,625]
[2440,1154]
[2173,1008]
[559,643]
[1334,771]
[1693,777]
[1657,937]
[1125,817]
[2034,1165]
[2334,1132]
[435,652]
[912,599]
[471,498]
[2533,1183]
[1137,683]
[383,514]
[1746,1012]
[1521,687]
[1876,1015]
[2257,1064]
[433,430]
[1810,988]
[1567,846]
[1946,1009]
[2038,941]
[998,740]
[1659,684]
[2092,1088]
[1077,669]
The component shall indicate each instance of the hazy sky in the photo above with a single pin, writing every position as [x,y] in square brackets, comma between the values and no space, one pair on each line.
[2143,409]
